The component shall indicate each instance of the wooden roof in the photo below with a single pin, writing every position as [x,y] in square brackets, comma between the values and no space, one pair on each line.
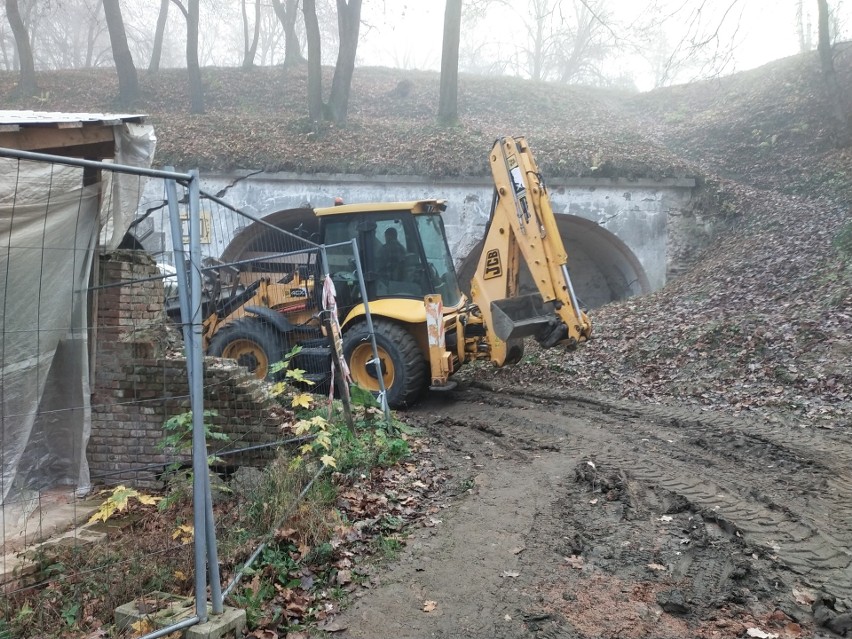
[84,135]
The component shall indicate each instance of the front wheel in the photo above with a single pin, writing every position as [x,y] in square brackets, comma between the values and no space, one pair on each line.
[251,342]
[402,366]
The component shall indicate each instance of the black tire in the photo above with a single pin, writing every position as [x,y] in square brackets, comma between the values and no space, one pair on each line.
[405,371]
[252,343]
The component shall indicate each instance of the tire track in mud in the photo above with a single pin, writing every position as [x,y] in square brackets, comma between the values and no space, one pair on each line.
[787,493]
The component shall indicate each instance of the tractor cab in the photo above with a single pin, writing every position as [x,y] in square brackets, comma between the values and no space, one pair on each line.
[402,248]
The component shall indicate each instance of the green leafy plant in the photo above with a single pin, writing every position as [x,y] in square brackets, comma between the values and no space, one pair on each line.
[118,501]
[291,376]
[70,613]
[178,439]
[178,436]
[389,546]
[320,445]
[252,599]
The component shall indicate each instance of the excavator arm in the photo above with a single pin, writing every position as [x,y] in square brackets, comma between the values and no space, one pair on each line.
[522,229]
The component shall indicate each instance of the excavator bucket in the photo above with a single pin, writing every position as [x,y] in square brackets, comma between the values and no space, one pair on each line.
[521,316]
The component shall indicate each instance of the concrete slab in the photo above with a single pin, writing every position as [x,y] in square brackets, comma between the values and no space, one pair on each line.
[232,620]
[158,610]
[35,522]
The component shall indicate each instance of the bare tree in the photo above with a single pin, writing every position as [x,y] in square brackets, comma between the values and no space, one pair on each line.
[312,32]
[92,32]
[27,81]
[66,35]
[349,24]
[449,93]
[803,26]
[834,91]
[562,40]
[159,33]
[250,45]
[196,86]
[708,36]
[128,82]
[287,14]
[271,45]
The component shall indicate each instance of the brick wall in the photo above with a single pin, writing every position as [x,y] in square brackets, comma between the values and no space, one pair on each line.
[140,381]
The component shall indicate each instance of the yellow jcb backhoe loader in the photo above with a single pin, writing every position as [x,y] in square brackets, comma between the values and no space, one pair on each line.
[424,327]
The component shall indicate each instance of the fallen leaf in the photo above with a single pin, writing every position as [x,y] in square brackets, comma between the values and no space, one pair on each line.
[803,597]
[429,605]
[517,550]
[575,562]
[757,633]
[141,627]
[331,626]
[343,577]
[657,567]
[510,573]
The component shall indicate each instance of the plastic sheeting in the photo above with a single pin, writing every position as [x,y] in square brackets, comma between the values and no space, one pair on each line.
[49,226]
[134,146]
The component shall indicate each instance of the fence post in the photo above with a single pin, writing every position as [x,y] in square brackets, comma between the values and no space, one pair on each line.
[332,329]
[196,398]
[180,266]
[383,395]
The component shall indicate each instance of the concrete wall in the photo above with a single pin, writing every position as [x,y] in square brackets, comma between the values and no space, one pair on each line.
[625,251]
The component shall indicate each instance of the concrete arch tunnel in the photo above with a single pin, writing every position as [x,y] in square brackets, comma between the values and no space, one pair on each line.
[603,268]
[623,237]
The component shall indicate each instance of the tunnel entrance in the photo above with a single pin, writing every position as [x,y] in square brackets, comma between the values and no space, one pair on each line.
[603,269]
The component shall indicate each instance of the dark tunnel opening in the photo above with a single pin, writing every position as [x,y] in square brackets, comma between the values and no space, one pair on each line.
[603,269]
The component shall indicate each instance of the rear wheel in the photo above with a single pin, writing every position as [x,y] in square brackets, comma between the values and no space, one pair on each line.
[403,368]
[251,342]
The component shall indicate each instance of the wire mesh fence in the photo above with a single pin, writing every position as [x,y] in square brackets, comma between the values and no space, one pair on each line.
[105,401]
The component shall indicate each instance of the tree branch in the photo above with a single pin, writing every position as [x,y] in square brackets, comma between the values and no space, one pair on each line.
[182,8]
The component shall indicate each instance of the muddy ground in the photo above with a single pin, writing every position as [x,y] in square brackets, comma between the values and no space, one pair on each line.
[577,517]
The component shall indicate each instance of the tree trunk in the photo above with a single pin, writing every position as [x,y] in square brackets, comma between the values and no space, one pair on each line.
[309,8]
[128,83]
[27,80]
[348,25]
[801,30]
[157,50]
[196,87]
[91,33]
[843,135]
[542,13]
[287,16]
[251,47]
[448,101]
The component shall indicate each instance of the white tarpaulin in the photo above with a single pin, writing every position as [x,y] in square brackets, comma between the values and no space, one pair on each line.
[49,226]
[134,146]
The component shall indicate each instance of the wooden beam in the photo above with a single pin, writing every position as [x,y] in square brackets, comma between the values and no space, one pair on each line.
[99,151]
[42,139]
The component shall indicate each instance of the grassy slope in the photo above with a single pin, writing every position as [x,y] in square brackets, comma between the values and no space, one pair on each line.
[762,322]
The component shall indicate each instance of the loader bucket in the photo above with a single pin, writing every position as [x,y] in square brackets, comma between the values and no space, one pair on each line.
[520,316]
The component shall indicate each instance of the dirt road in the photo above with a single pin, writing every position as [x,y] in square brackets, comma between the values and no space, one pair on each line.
[568,516]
